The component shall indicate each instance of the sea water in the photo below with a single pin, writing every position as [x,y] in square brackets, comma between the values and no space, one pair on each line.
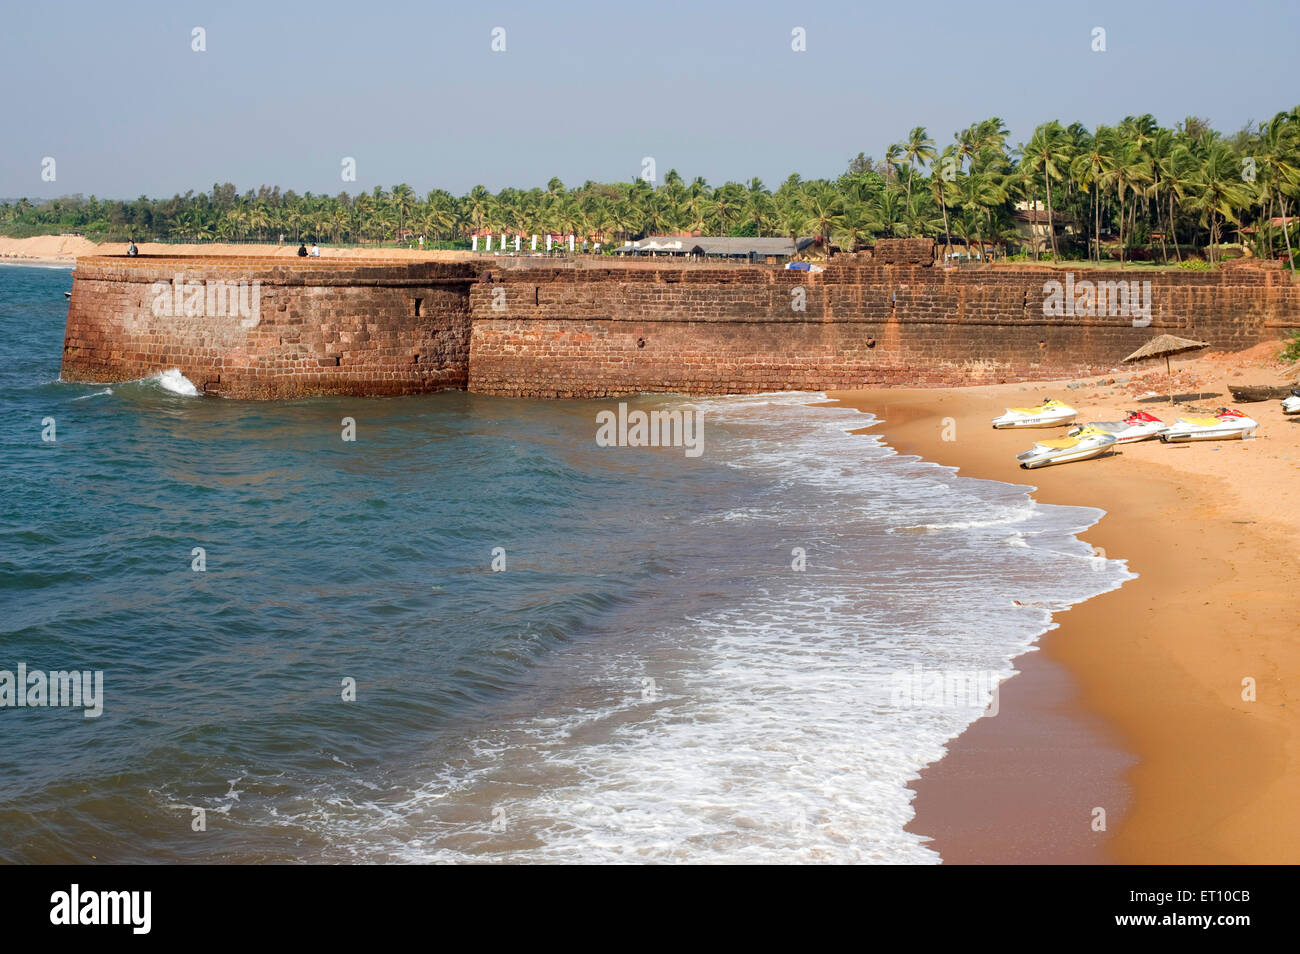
[473,634]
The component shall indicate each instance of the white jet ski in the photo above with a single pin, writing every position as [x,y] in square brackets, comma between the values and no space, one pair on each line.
[1083,444]
[1138,426]
[1291,403]
[1226,425]
[1048,414]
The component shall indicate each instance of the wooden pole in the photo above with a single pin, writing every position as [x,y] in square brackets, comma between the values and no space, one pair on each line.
[1170,372]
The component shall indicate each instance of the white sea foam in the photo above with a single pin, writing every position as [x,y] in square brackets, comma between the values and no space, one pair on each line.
[1001,518]
[172,380]
[768,730]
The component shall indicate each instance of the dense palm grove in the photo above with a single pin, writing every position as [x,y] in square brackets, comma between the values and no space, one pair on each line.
[1135,190]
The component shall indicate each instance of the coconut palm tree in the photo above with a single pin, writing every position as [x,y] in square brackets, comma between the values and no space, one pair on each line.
[890,213]
[1126,172]
[758,204]
[894,159]
[976,193]
[1047,154]
[1279,166]
[1162,144]
[941,189]
[259,218]
[1133,177]
[1088,169]
[824,213]
[729,204]
[478,205]
[918,148]
[860,223]
[1217,190]
[402,199]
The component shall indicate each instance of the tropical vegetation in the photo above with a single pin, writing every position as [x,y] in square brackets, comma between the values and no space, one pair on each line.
[1134,191]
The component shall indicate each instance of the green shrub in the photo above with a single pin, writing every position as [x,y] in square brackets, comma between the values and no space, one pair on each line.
[1196,265]
[1292,350]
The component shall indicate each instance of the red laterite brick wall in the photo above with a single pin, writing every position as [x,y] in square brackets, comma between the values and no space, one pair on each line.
[512,327]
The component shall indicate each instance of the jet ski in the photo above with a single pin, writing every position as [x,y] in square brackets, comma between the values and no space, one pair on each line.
[1048,414]
[1291,403]
[1083,444]
[1138,426]
[1226,425]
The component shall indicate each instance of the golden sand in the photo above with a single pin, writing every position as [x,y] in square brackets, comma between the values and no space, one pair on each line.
[1163,666]
[64,249]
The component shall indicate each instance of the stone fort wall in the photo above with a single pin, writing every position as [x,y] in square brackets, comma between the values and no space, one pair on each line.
[514,328]
[322,328]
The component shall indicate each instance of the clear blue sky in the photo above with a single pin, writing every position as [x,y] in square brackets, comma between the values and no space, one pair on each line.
[413,91]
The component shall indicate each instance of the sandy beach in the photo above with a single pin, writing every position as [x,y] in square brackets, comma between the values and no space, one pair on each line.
[1162,703]
[1135,702]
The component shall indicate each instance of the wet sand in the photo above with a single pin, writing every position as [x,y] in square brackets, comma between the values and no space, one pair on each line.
[1134,704]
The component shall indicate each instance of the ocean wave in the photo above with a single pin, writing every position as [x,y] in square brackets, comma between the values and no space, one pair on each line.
[676,663]
[174,382]
[1020,514]
[760,727]
[171,381]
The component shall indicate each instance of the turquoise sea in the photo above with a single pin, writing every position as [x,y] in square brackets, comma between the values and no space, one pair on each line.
[675,658]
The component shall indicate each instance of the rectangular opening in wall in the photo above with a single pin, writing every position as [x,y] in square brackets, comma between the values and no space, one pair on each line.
[419,308]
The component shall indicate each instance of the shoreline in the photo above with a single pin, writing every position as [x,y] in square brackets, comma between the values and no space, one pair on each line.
[1133,702]
[66,249]
[40,262]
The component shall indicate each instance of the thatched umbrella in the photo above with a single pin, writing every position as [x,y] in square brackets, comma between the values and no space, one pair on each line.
[1167,346]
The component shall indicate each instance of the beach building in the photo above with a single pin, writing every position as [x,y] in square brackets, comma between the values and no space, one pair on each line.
[773,250]
[1282,227]
[1035,225]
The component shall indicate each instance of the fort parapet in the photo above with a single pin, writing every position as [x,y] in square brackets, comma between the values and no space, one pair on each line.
[347,327]
[514,328]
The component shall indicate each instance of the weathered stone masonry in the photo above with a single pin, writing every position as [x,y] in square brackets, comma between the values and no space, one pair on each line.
[324,328]
[348,327]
